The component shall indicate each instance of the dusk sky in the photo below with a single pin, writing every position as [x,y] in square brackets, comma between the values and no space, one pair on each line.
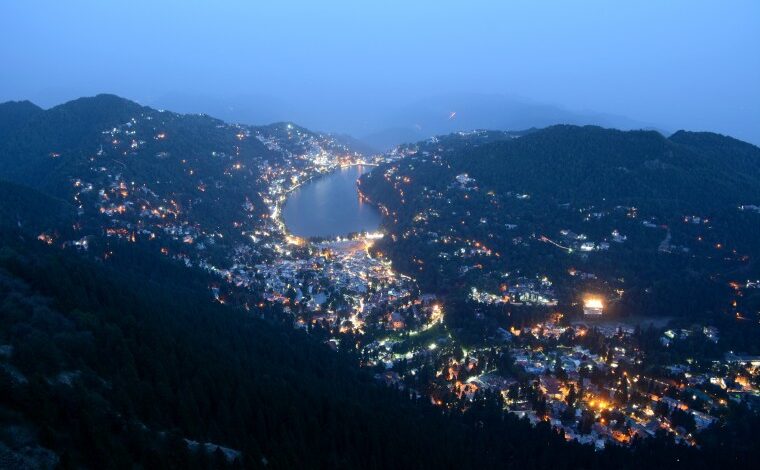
[330,65]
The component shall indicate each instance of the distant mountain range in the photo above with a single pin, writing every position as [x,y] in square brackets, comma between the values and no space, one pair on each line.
[463,112]
[381,126]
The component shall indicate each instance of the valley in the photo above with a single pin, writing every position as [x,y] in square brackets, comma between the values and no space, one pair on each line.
[563,298]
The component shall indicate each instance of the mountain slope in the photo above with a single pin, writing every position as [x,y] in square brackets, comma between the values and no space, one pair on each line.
[33,211]
[658,218]
[584,164]
[181,182]
[61,131]
[15,114]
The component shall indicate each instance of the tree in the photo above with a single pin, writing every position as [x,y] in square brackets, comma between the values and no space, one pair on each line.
[572,396]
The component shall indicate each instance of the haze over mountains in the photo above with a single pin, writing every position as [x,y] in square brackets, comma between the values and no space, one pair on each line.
[382,125]
[372,128]
[680,65]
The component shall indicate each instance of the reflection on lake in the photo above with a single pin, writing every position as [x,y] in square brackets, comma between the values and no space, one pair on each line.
[329,206]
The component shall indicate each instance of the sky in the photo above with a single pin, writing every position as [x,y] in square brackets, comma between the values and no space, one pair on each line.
[335,65]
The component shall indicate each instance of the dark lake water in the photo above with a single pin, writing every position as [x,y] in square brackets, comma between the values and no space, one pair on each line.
[329,206]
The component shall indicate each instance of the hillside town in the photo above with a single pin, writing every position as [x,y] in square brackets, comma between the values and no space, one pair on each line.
[589,377]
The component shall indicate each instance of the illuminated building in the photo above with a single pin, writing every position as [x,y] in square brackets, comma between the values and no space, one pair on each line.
[593,306]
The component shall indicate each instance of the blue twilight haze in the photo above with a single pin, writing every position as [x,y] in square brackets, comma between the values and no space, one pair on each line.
[389,70]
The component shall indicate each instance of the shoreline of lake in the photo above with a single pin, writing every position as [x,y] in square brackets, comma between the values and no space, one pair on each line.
[330,206]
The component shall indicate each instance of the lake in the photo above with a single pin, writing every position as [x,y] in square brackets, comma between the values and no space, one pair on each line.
[329,206]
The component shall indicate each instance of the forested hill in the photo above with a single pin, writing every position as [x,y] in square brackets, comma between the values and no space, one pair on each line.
[671,222]
[688,171]
[130,171]
[30,137]
[15,114]
[48,149]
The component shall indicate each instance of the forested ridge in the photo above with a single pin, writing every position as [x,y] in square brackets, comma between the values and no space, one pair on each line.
[691,187]
[698,171]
